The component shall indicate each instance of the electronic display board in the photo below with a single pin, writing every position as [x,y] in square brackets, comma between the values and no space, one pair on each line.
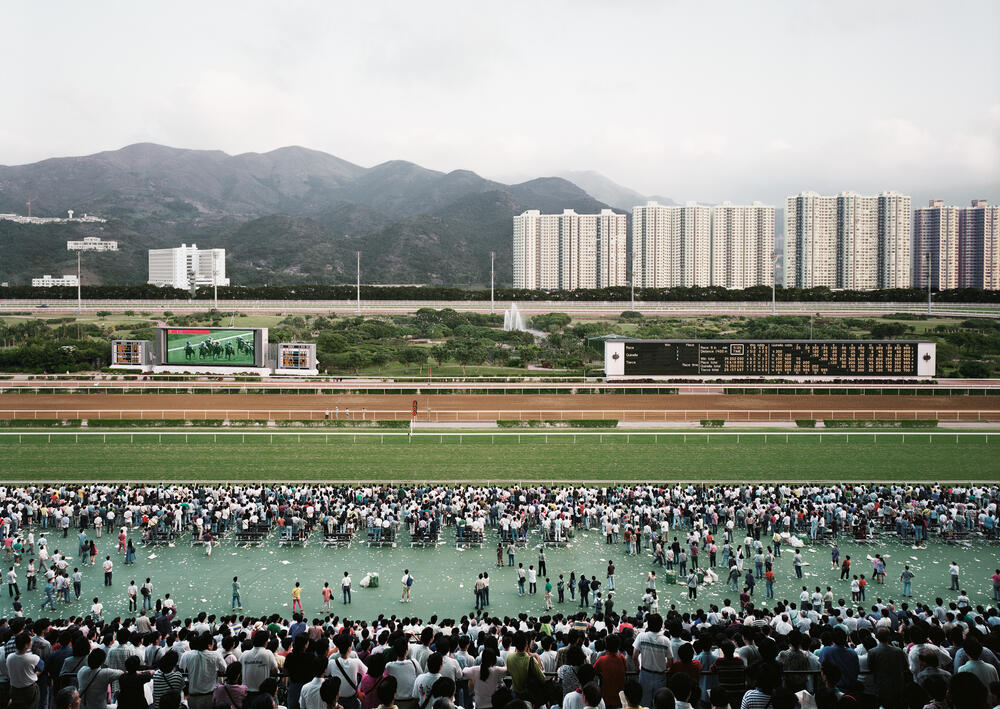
[296,356]
[769,358]
[211,346]
[128,353]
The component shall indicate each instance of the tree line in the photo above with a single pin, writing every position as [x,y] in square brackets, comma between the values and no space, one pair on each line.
[439,293]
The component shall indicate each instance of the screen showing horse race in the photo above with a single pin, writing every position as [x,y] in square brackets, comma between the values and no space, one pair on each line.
[224,347]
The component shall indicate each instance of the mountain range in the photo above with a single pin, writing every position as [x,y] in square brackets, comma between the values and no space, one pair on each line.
[292,215]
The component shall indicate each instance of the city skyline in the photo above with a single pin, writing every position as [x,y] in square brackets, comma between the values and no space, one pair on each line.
[430,91]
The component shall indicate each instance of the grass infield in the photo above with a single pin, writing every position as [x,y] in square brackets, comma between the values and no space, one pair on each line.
[498,457]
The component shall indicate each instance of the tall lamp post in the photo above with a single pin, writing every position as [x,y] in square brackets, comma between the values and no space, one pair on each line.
[90,243]
[929,272]
[358,310]
[492,257]
[774,281]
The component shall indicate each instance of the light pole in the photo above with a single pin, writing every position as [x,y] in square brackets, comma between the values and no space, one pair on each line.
[90,243]
[215,283]
[774,280]
[929,272]
[492,257]
[358,310]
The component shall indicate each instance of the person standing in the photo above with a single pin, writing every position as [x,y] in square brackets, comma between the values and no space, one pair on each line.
[108,566]
[49,591]
[797,563]
[953,572]
[327,594]
[548,594]
[996,584]
[345,586]
[237,601]
[12,588]
[500,555]
[147,595]
[22,669]
[652,653]
[532,580]
[297,597]
[407,583]
[542,570]
[203,665]
[888,667]
[77,583]
[133,597]
[692,584]
[906,576]
[521,577]
[611,575]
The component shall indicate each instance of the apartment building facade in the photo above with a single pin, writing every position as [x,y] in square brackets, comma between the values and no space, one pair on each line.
[979,246]
[187,266]
[569,251]
[848,241]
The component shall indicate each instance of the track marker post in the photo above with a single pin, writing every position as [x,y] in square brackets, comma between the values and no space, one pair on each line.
[413,415]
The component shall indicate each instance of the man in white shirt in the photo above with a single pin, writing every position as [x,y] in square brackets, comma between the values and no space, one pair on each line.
[651,651]
[348,669]
[203,664]
[22,669]
[309,697]
[423,683]
[258,663]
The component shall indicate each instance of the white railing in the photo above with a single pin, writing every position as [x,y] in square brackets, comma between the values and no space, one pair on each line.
[488,415]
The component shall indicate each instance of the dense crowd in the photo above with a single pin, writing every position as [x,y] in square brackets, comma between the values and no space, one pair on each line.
[646,512]
[810,651]
[897,656]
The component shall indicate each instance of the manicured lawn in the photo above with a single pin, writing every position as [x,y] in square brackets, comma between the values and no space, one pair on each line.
[510,457]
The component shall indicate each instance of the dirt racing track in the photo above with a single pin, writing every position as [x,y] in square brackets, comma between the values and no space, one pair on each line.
[467,408]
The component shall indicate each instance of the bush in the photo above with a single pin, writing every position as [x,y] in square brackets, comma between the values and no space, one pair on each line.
[805,423]
[713,423]
[37,423]
[880,423]
[557,423]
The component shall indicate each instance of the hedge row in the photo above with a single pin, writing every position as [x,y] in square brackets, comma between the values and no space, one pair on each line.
[713,423]
[805,423]
[880,423]
[37,423]
[557,423]
[200,423]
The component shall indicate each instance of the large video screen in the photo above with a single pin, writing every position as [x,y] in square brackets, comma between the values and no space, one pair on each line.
[224,347]
[756,358]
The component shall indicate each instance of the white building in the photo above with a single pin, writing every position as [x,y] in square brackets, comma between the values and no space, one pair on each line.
[48,281]
[696,245]
[186,265]
[935,244]
[742,245]
[979,246]
[847,241]
[92,243]
[569,251]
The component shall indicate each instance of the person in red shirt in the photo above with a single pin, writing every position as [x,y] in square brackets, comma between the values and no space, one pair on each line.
[610,667]
[686,665]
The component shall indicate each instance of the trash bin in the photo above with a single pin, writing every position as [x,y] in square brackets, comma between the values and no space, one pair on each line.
[670,577]
[373,581]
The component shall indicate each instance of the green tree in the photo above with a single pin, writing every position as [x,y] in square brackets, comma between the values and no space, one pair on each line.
[331,342]
[440,354]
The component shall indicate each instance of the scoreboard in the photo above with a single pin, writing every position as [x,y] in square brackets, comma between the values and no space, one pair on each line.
[128,353]
[768,358]
[296,358]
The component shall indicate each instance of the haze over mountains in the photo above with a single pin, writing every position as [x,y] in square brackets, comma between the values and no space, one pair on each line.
[292,215]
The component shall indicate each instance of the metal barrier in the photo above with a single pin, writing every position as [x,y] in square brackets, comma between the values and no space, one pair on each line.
[491,415]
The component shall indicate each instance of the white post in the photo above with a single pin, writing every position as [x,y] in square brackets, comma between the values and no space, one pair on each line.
[358,311]
[215,282]
[492,256]
[929,271]
[774,280]
[79,291]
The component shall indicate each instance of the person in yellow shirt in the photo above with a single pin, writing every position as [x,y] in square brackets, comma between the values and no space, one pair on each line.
[297,597]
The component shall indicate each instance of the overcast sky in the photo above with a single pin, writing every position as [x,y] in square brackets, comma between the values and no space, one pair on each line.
[693,100]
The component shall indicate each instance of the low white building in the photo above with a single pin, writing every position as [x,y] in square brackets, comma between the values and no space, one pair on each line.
[92,243]
[48,281]
[186,265]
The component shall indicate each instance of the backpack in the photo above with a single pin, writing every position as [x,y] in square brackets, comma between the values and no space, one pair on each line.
[409,580]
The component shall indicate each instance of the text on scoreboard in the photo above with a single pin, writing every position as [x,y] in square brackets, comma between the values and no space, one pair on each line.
[729,358]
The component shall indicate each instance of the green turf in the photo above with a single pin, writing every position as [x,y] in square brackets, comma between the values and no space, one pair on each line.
[567,457]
